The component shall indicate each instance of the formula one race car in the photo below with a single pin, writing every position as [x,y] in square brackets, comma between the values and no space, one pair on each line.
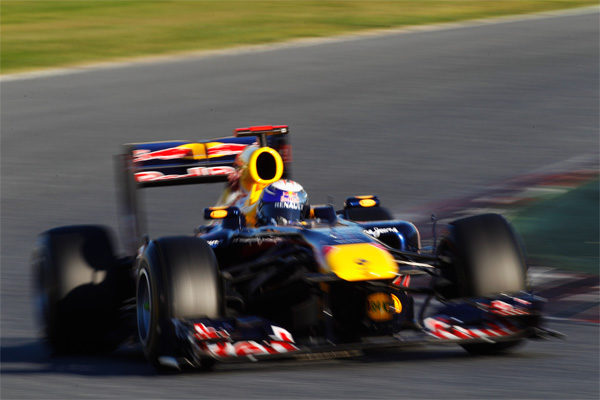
[271,275]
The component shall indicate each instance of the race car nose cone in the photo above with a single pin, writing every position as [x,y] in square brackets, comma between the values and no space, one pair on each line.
[361,262]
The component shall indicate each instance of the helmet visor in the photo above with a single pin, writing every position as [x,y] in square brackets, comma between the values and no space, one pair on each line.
[276,211]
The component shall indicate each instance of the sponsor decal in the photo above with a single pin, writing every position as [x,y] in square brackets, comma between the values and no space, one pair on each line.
[442,328]
[218,214]
[222,349]
[151,176]
[288,205]
[258,240]
[249,348]
[224,149]
[203,332]
[280,341]
[290,197]
[501,308]
[376,232]
[213,243]
[367,203]
[172,153]
[380,307]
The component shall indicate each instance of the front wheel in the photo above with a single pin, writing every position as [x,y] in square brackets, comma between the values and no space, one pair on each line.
[483,258]
[177,277]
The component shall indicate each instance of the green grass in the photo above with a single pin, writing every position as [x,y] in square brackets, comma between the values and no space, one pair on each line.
[39,34]
[563,231]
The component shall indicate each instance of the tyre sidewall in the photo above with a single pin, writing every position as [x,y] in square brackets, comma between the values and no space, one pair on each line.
[164,262]
[158,335]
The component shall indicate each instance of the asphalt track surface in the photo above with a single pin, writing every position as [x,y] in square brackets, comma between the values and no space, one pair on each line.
[415,118]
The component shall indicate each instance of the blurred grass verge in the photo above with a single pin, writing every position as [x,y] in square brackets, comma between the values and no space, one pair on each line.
[38,34]
[563,231]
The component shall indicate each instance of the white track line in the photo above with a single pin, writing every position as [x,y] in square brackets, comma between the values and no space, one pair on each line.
[295,43]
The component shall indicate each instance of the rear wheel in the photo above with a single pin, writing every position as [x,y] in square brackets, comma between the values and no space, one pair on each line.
[483,258]
[178,277]
[76,289]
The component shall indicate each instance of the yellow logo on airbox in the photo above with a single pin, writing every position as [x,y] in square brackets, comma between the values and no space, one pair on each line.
[218,214]
[383,306]
[367,203]
[361,262]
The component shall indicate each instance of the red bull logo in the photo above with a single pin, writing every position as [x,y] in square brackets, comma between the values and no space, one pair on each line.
[151,176]
[290,197]
[224,149]
[172,153]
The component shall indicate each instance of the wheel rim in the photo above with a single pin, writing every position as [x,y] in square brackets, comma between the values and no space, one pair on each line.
[143,306]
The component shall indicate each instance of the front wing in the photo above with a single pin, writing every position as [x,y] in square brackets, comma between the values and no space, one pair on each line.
[253,338]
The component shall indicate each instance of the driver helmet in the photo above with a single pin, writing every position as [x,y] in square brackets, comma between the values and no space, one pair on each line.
[282,203]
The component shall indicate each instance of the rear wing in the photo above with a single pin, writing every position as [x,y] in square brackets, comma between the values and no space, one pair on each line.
[184,162]
[181,162]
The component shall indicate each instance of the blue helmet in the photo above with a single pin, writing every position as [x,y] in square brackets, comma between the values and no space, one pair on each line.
[282,202]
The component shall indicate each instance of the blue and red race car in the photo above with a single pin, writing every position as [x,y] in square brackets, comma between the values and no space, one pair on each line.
[271,274]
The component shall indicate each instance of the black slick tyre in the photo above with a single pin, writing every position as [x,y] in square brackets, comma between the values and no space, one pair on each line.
[76,301]
[177,277]
[484,258]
